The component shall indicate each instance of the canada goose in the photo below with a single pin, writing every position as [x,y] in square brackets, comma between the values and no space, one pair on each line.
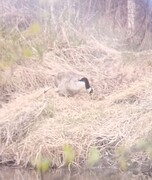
[69,84]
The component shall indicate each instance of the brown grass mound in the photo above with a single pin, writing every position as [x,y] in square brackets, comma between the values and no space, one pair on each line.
[34,123]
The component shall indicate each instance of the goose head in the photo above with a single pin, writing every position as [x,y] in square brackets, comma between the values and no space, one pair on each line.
[87,85]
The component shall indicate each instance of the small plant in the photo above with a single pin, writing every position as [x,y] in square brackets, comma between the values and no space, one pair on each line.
[27,52]
[69,154]
[33,30]
[146,146]
[93,156]
[42,166]
[122,158]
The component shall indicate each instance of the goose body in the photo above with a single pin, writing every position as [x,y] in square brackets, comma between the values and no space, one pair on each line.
[69,84]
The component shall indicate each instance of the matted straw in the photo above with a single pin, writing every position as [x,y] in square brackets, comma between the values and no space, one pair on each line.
[34,124]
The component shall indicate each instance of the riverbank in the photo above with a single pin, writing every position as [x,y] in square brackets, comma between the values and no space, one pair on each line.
[117,116]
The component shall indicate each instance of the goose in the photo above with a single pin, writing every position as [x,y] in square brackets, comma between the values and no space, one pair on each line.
[69,83]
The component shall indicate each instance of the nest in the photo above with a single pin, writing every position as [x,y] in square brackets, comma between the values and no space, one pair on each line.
[34,124]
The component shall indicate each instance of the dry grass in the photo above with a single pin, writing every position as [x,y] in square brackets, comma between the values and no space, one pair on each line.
[34,124]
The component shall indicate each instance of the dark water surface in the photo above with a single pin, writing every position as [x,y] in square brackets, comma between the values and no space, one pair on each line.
[7,173]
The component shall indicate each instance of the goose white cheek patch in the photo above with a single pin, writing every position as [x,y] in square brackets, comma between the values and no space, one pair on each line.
[90,90]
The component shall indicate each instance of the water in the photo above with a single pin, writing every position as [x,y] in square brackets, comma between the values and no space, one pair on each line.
[7,173]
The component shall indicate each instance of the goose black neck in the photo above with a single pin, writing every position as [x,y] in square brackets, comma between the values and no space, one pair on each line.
[85,80]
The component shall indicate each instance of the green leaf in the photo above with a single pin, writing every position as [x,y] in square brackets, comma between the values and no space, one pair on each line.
[45,165]
[93,156]
[27,52]
[38,166]
[42,165]
[35,28]
[69,154]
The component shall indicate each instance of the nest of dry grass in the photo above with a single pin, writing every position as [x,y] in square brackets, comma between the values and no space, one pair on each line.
[34,124]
